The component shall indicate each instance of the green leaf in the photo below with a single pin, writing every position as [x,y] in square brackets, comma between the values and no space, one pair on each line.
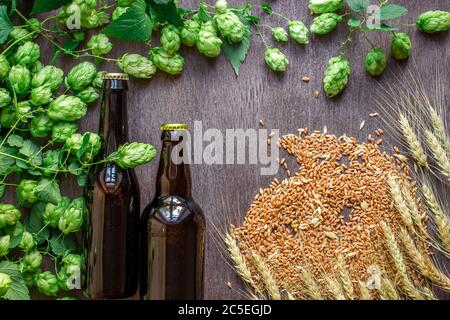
[35,224]
[266,8]
[74,168]
[133,25]
[6,161]
[392,11]
[82,179]
[60,244]
[48,190]
[354,22]
[236,53]
[204,14]
[382,27]
[166,13]
[84,146]
[41,6]
[18,290]
[68,46]
[358,5]
[162,1]
[15,141]
[5,24]
[15,233]
[32,151]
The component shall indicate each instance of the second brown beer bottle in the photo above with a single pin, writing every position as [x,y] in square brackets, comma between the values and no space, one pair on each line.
[112,234]
[172,230]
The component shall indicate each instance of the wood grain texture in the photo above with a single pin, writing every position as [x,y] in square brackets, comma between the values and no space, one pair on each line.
[209,91]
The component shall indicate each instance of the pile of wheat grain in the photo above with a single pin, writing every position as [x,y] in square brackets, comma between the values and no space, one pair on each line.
[325,219]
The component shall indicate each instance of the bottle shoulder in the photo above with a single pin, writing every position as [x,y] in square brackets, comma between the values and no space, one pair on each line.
[173,209]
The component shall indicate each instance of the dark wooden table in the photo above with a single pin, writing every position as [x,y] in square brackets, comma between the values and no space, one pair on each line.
[209,91]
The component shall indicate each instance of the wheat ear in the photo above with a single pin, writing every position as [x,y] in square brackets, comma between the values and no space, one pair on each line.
[238,259]
[414,211]
[439,154]
[310,286]
[387,290]
[397,257]
[423,263]
[345,278]
[400,202]
[335,288]
[290,296]
[268,279]
[364,293]
[440,131]
[441,219]
[413,142]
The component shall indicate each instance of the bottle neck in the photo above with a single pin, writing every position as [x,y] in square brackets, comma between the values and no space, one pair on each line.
[113,118]
[173,178]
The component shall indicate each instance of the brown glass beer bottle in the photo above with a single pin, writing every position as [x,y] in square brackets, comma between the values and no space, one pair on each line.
[172,230]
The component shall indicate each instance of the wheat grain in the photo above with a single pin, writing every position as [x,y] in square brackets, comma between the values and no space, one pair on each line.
[311,288]
[400,202]
[423,263]
[387,290]
[335,288]
[266,275]
[344,276]
[397,257]
[439,153]
[413,142]
[364,293]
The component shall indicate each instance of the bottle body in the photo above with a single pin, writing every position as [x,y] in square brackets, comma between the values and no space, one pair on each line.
[112,234]
[172,235]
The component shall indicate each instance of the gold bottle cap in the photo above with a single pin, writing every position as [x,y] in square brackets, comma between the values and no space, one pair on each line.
[116,76]
[174,126]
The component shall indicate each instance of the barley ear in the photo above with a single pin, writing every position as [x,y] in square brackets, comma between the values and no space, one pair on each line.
[266,275]
[414,145]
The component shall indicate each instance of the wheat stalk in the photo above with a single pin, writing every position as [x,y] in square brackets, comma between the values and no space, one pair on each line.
[364,293]
[397,257]
[310,285]
[413,142]
[439,130]
[400,202]
[238,259]
[439,153]
[423,263]
[267,277]
[441,220]
[345,278]
[335,288]
[387,290]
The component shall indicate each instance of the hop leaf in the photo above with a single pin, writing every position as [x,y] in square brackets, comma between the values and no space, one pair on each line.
[336,76]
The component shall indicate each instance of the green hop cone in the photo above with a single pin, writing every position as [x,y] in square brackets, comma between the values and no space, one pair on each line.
[230,26]
[276,60]
[47,283]
[172,64]
[93,148]
[8,117]
[40,126]
[20,35]
[53,213]
[336,76]
[221,6]
[31,262]
[73,217]
[20,79]
[189,33]
[28,278]
[170,39]
[299,32]
[131,155]
[23,111]
[48,76]
[66,108]
[63,130]
[88,95]
[208,43]
[78,36]
[118,11]
[100,44]
[36,67]
[27,54]
[74,143]
[375,62]
[25,193]
[401,46]
[41,96]
[94,19]
[5,98]
[81,76]
[433,21]
[325,6]
[27,243]
[98,80]
[137,66]
[51,162]
[9,215]
[4,245]
[325,23]
[4,67]
[34,25]
[280,34]
[5,283]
